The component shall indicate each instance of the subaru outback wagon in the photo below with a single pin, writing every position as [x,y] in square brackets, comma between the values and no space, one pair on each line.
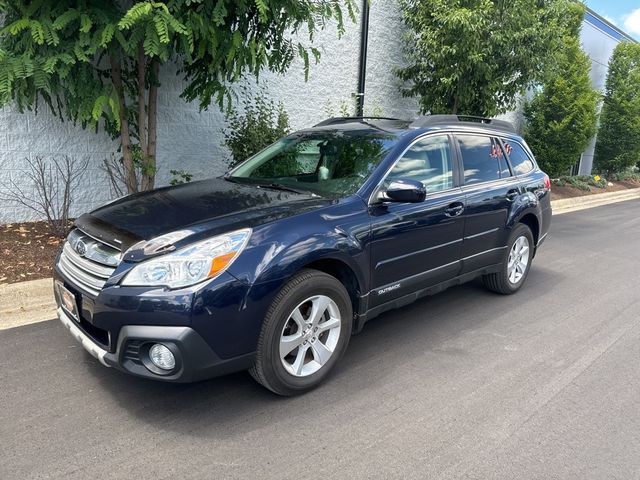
[274,266]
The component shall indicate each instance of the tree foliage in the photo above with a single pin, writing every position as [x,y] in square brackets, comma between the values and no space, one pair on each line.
[618,143]
[474,57]
[100,60]
[255,126]
[561,116]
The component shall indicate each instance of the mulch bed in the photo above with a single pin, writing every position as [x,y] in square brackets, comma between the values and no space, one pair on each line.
[566,191]
[27,251]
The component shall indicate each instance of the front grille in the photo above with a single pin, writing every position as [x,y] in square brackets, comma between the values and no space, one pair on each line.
[87,262]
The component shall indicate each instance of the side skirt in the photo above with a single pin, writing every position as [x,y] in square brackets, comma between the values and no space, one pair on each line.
[361,319]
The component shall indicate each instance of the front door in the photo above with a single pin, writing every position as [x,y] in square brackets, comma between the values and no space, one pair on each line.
[416,245]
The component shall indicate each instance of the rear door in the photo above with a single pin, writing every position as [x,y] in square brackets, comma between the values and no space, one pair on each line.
[490,189]
[416,245]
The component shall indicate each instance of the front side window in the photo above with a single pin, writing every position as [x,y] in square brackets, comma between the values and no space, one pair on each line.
[329,163]
[481,158]
[520,161]
[427,161]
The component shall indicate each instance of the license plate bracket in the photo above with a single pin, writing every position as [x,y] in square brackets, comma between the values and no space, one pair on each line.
[68,301]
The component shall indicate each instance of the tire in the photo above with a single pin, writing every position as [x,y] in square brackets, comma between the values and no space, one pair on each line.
[319,341]
[503,281]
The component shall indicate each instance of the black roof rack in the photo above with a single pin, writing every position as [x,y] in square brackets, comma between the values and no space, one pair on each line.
[469,120]
[338,120]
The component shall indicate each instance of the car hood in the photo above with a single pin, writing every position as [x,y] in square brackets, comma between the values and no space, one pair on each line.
[202,208]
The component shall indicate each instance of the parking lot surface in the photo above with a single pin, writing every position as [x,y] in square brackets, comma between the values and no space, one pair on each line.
[464,384]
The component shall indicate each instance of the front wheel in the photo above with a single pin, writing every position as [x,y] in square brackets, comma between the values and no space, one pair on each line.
[515,264]
[305,332]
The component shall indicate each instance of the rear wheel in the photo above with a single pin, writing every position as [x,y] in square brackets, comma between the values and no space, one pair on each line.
[515,264]
[305,332]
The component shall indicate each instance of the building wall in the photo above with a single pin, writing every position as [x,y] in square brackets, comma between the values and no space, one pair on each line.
[191,140]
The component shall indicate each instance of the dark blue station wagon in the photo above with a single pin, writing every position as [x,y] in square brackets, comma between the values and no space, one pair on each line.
[274,266]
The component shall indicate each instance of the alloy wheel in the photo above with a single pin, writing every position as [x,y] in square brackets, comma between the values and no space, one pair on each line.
[310,336]
[518,260]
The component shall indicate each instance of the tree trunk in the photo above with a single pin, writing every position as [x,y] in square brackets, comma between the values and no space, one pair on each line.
[148,179]
[142,129]
[125,138]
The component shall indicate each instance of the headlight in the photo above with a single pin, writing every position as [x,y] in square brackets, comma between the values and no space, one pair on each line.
[190,265]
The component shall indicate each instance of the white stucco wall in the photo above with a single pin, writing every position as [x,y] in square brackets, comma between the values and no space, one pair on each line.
[29,135]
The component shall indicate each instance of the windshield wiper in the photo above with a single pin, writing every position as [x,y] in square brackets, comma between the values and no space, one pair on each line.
[274,186]
[279,186]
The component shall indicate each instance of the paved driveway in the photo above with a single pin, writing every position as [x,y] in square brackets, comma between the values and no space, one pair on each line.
[465,384]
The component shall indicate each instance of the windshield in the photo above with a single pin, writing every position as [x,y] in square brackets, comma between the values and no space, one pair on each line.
[328,163]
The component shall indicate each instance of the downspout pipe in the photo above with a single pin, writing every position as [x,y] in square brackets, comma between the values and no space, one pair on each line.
[362,67]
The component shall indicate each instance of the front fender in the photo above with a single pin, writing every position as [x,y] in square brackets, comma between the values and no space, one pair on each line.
[278,251]
[276,261]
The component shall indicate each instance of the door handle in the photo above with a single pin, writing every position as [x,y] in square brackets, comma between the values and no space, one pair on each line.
[454,209]
[512,194]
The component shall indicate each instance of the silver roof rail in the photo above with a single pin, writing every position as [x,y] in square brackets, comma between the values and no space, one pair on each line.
[338,120]
[468,120]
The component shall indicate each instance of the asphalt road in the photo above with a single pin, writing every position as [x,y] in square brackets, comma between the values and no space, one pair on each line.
[466,384]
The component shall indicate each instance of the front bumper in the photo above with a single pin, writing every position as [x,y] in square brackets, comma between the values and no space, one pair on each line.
[89,345]
[195,360]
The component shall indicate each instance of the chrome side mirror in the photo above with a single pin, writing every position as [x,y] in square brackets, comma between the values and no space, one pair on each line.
[404,190]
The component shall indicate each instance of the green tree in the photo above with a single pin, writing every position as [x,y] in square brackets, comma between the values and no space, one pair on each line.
[618,144]
[100,60]
[561,117]
[257,125]
[474,57]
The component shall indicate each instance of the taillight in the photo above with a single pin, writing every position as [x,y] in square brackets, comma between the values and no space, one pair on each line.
[547,182]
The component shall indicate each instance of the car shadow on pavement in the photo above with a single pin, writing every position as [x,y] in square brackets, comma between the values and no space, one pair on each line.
[235,404]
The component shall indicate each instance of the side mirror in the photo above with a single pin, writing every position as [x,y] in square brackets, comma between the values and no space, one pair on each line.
[405,190]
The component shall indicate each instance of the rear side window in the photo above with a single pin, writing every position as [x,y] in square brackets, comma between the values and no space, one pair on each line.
[520,161]
[482,158]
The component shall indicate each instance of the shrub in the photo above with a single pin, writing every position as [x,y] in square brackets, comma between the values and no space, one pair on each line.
[180,177]
[581,182]
[115,171]
[344,108]
[559,182]
[595,181]
[258,124]
[578,183]
[626,176]
[49,189]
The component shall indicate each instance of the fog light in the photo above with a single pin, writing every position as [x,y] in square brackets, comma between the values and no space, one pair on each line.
[162,357]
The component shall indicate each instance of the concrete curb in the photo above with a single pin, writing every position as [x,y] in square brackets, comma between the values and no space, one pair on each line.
[31,302]
[26,302]
[567,205]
